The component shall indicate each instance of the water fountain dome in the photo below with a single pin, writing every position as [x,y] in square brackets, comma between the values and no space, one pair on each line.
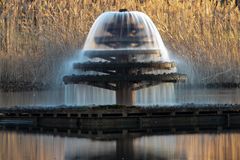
[125,51]
[128,31]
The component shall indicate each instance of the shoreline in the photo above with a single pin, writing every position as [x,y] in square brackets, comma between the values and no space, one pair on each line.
[122,119]
[22,86]
[92,108]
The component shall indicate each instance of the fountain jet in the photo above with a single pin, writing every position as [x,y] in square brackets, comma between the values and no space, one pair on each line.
[124,53]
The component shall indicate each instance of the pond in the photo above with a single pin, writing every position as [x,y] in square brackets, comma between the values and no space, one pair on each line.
[27,145]
[201,146]
[87,95]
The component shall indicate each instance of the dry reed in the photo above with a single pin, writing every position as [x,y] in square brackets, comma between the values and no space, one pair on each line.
[36,36]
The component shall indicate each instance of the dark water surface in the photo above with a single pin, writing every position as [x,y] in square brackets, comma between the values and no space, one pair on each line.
[218,146]
[86,95]
[15,145]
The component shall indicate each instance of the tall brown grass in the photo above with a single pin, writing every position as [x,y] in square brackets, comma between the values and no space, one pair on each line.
[36,36]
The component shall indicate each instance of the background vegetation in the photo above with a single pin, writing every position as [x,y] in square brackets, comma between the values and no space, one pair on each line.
[36,36]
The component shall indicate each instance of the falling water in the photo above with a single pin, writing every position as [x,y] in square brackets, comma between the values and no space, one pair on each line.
[149,29]
[155,95]
[88,95]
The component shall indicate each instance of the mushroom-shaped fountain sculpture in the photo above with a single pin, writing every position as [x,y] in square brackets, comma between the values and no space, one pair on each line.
[126,53]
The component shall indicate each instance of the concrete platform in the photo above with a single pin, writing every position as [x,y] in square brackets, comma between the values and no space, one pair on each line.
[112,118]
[115,122]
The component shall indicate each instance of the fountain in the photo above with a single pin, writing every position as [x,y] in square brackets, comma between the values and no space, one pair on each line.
[124,52]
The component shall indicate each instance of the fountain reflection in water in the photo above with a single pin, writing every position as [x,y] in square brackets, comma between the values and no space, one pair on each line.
[116,40]
[22,146]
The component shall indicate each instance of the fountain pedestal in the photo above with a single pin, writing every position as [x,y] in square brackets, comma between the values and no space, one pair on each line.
[124,94]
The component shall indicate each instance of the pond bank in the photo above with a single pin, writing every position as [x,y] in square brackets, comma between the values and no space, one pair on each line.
[113,117]
[13,86]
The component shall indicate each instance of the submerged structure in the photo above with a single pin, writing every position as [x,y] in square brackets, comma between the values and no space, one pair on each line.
[124,52]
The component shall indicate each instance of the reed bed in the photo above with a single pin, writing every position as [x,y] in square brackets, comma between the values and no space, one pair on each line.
[37,36]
